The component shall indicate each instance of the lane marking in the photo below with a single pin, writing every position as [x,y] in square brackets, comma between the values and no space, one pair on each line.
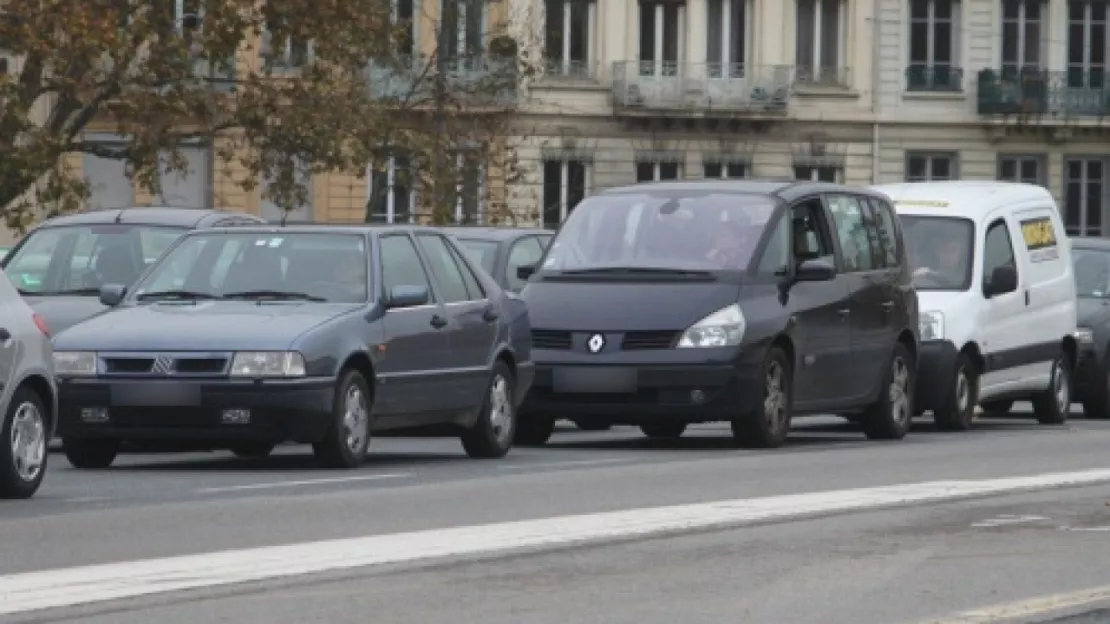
[281,484]
[1027,608]
[583,462]
[1006,520]
[97,583]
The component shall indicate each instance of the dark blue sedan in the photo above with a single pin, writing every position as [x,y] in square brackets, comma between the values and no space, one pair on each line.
[243,338]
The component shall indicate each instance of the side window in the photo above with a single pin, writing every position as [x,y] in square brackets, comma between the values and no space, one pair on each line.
[888,232]
[523,252]
[851,231]
[401,264]
[998,250]
[776,255]
[811,238]
[874,228]
[447,273]
[473,286]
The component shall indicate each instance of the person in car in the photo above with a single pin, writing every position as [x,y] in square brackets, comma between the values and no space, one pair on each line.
[948,267]
[731,246]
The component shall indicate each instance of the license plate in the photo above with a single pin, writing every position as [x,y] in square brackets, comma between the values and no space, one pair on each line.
[590,379]
[155,394]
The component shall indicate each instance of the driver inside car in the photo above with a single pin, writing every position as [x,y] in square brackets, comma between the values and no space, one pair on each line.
[947,266]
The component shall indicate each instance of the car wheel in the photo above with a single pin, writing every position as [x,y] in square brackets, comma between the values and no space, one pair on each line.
[963,396]
[997,408]
[253,450]
[491,436]
[90,453]
[23,453]
[592,425]
[768,425]
[889,418]
[1097,404]
[663,429]
[1052,406]
[345,443]
[533,429]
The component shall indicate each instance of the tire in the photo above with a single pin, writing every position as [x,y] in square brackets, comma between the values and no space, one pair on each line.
[24,435]
[890,417]
[533,430]
[769,424]
[347,439]
[1052,406]
[587,425]
[997,408]
[90,453]
[961,399]
[253,450]
[664,429]
[1097,407]
[491,437]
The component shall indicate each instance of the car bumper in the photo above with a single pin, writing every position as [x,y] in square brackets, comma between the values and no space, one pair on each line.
[936,367]
[1089,376]
[279,410]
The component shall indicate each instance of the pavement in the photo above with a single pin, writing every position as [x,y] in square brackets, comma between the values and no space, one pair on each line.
[1008,522]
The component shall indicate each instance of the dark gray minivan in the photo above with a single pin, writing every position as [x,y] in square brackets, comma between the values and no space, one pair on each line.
[749,302]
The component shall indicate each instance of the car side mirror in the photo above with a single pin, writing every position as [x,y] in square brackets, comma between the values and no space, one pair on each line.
[815,271]
[525,271]
[407,296]
[1003,280]
[112,294]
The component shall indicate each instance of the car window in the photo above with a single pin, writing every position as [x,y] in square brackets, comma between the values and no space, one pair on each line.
[888,232]
[873,226]
[473,284]
[940,250]
[484,251]
[776,255]
[447,273]
[998,250]
[1092,273]
[401,265]
[851,231]
[810,229]
[524,252]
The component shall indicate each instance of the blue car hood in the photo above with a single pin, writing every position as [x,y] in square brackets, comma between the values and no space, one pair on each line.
[199,326]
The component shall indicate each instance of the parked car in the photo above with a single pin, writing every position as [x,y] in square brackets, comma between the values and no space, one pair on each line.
[60,265]
[28,401]
[994,280]
[501,250]
[1091,264]
[310,334]
[749,302]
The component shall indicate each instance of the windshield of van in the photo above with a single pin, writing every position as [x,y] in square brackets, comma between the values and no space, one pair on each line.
[663,231]
[1092,273]
[940,251]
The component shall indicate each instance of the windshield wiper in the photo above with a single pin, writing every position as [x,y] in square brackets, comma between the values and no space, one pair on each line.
[176,294]
[72,291]
[273,294]
[634,270]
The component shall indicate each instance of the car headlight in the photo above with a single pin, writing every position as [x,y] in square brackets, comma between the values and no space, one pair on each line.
[267,364]
[74,362]
[1085,335]
[932,325]
[723,328]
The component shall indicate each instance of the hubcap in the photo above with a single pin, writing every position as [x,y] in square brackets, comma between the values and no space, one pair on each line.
[28,441]
[963,390]
[1062,391]
[774,401]
[500,409]
[899,392]
[356,419]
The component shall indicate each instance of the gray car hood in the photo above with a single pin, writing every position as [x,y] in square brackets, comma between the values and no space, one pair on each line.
[61,312]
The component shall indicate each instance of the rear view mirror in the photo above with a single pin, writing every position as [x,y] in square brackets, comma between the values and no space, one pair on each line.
[1003,280]
[112,294]
[525,271]
[815,271]
[407,296]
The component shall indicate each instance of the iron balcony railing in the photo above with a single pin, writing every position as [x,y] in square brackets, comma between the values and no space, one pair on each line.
[1034,91]
[471,80]
[822,77]
[934,78]
[700,87]
[567,70]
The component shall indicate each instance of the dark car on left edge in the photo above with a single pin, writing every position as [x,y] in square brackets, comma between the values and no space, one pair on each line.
[243,338]
[502,250]
[1091,380]
[61,264]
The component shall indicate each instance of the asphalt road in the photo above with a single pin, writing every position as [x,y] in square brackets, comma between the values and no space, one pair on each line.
[1038,556]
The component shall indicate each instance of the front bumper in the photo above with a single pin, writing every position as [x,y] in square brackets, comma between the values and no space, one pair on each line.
[298,410]
[936,369]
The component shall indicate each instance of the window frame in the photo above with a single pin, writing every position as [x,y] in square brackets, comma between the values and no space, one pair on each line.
[657,165]
[1085,69]
[509,271]
[441,280]
[563,66]
[1022,22]
[467,270]
[888,220]
[383,289]
[392,170]
[983,274]
[931,157]
[721,63]
[1018,160]
[840,243]
[725,169]
[814,69]
[1083,225]
[565,187]
[815,173]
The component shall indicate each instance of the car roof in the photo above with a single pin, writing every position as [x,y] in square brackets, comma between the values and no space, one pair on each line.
[1090,242]
[966,198]
[787,189]
[317,228]
[149,215]
[492,233]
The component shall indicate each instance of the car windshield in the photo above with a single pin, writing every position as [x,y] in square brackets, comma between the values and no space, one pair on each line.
[644,231]
[79,259]
[484,251]
[1092,272]
[940,251]
[308,266]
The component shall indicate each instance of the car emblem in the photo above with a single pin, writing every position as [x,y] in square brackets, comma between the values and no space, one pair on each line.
[595,343]
[163,365]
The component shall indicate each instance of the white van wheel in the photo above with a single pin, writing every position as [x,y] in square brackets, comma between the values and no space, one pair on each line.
[1052,406]
[963,395]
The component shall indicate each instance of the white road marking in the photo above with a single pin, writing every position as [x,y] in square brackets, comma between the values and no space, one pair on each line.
[88,584]
[583,462]
[1005,520]
[1097,529]
[281,484]
[86,499]
[1027,608]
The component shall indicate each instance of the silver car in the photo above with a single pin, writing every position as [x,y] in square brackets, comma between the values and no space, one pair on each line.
[28,397]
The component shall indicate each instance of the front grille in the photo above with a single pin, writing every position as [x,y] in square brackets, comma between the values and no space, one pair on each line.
[200,366]
[128,365]
[641,340]
[165,364]
[550,339]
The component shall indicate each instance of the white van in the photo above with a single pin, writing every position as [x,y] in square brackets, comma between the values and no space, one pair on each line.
[996,293]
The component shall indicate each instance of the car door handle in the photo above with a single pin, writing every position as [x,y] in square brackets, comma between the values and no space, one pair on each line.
[438,321]
[888,305]
[843,311]
[5,335]
[490,314]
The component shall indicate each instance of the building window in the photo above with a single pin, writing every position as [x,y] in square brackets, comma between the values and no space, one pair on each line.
[284,53]
[656,170]
[661,28]
[934,41]
[189,187]
[275,213]
[110,186]
[568,37]
[928,166]
[1084,191]
[726,38]
[390,191]
[1021,35]
[465,31]
[1087,44]
[565,183]
[817,173]
[402,16]
[1026,169]
[724,170]
[820,35]
[470,187]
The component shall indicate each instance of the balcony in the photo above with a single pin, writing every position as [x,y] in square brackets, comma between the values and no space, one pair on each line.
[478,81]
[822,78]
[934,79]
[700,88]
[1031,91]
[557,70]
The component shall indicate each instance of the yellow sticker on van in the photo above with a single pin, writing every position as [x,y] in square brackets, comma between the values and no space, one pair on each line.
[924,203]
[1040,239]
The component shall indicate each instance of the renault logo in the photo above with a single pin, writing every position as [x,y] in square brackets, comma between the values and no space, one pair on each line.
[163,365]
[595,343]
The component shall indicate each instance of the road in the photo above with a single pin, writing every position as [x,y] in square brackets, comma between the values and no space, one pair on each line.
[832,528]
